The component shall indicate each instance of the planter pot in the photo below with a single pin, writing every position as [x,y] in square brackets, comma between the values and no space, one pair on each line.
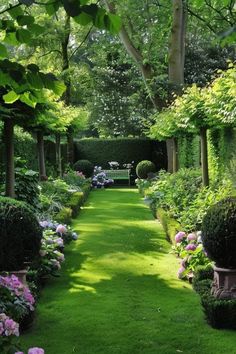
[224,285]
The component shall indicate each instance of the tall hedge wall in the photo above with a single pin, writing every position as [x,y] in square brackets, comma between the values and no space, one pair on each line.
[123,150]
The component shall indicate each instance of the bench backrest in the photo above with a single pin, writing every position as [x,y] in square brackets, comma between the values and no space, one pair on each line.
[118,174]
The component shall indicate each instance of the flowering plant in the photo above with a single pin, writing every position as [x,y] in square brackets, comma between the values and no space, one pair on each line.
[9,329]
[58,231]
[74,178]
[190,249]
[15,298]
[34,350]
[99,179]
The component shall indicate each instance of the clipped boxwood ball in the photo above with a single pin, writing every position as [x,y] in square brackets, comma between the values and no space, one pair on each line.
[84,166]
[219,233]
[145,167]
[20,234]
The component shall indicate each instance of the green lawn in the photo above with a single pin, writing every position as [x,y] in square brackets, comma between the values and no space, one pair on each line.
[118,292]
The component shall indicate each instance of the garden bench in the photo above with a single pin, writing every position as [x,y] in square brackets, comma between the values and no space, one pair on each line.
[118,174]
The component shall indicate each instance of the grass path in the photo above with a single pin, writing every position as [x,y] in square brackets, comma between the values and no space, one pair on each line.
[118,292]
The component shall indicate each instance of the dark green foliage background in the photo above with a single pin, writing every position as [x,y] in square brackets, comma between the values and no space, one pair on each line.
[123,150]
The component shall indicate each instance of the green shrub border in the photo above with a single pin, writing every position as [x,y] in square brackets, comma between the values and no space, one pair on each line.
[170,225]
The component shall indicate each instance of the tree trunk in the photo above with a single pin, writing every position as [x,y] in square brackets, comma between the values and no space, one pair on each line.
[204,157]
[175,155]
[41,156]
[9,150]
[65,61]
[70,149]
[176,60]
[58,155]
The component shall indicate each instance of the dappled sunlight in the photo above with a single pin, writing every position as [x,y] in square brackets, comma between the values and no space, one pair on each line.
[77,288]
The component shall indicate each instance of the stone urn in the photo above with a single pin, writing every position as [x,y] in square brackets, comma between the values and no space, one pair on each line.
[219,241]
[224,284]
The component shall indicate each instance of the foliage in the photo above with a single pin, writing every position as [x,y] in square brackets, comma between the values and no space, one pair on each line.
[124,150]
[26,186]
[219,313]
[16,299]
[75,201]
[198,108]
[189,248]
[144,168]
[84,166]
[64,215]
[182,196]
[74,178]
[219,236]
[9,329]
[20,234]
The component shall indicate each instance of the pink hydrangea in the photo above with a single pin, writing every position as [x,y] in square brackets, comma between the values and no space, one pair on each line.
[8,327]
[35,350]
[180,272]
[61,229]
[192,237]
[191,247]
[179,236]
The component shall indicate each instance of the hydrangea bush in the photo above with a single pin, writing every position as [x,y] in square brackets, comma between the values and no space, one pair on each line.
[100,180]
[190,249]
[15,298]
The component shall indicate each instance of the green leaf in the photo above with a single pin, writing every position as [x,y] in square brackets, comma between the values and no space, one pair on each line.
[33,67]
[25,20]
[90,9]
[27,99]
[10,38]
[83,19]
[59,87]
[99,19]
[34,80]
[3,51]
[23,35]
[36,29]
[52,7]
[51,83]
[113,23]
[15,12]
[72,7]
[26,2]
[10,97]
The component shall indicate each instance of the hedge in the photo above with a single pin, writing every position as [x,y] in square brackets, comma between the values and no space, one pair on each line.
[123,150]
[170,225]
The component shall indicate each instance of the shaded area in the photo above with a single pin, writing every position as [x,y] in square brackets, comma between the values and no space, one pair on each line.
[118,292]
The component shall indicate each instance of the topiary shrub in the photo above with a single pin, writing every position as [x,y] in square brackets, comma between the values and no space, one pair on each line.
[84,166]
[144,168]
[219,233]
[20,234]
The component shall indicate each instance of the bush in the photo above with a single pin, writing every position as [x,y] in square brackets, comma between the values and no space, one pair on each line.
[64,216]
[75,202]
[219,233]
[219,313]
[145,167]
[84,166]
[20,234]
[203,278]
[26,186]
[124,150]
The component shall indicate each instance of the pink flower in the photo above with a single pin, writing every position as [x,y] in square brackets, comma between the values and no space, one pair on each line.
[35,350]
[180,272]
[191,247]
[179,236]
[61,229]
[191,237]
